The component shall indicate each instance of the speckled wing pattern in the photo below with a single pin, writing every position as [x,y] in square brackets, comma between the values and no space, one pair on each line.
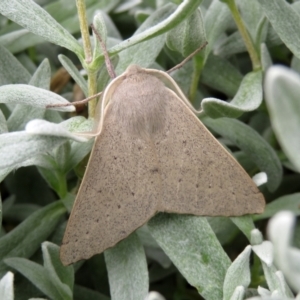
[153,154]
[199,176]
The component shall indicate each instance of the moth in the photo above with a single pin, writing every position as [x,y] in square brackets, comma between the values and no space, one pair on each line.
[152,155]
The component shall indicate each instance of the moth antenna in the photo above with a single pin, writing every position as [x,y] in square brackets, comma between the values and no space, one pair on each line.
[187,58]
[109,65]
[76,102]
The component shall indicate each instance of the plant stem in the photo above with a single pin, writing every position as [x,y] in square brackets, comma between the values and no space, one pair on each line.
[245,35]
[88,53]
[84,28]
[198,64]
[63,190]
[92,90]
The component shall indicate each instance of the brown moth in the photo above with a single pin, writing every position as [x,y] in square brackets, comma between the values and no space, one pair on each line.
[152,155]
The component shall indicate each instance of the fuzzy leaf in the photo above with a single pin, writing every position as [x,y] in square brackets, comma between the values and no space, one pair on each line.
[30,95]
[17,147]
[26,238]
[248,98]
[145,53]
[194,249]
[7,286]
[127,270]
[282,87]
[216,11]
[73,71]
[22,114]
[38,275]
[62,277]
[188,35]
[278,12]
[11,69]
[245,224]
[287,202]
[221,75]
[265,252]
[34,18]
[183,10]
[42,127]
[238,274]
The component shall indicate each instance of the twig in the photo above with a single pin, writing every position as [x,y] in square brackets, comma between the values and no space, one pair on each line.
[187,58]
[109,66]
[76,102]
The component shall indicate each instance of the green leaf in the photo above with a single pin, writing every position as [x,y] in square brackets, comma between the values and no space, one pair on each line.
[248,98]
[278,12]
[252,144]
[83,293]
[7,286]
[38,275]
[238,293]
[265,252]
[266,59]
[73,71]
[33,96]
[42,75]
[145,53]
[26,238]
[252,15]
[183,10]
[188,36]
[280,232]
[216,11]
[287,202]
[282,83]
[61,276]
[194,249]
[31,16]
[127,270]
[43,127]
[245,224]
[20,212]
[221,75]
[238,274]
[11,69]
[17,147]
[22,114]
[3,124]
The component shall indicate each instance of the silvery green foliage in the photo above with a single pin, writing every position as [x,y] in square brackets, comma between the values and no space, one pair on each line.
[7,286]
[52,140]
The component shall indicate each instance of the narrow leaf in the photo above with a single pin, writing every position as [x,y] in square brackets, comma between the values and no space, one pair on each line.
[73,71]
[127,270]
[11,69]
[7,286]
[62,277]
[282,87]
[37,274]
[194,249]
[31,16]
[30,95]
[287,202]
[278,12]
[42,127]
[26,238]
[238,274]
[182,11]
[248,98]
